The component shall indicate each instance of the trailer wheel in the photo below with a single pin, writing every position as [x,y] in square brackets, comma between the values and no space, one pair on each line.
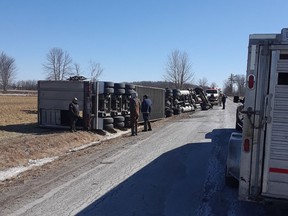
[119,91]
[119,124]
[169,113]
[119,85]
[177,111]
[119,119]
[108,126]
[109,90]
[108,120]
[176,93]
[129,86]
[129,91]
[108,84]
[168,93]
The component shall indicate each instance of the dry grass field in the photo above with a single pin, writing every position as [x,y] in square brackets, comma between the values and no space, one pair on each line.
[22,140]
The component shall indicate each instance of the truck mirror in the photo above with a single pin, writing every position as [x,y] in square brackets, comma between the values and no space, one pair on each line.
[236,99]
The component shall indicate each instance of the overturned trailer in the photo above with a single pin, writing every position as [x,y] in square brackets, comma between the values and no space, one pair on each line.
[103,105]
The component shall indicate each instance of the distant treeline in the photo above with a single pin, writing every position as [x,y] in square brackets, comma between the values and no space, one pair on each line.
[32,85]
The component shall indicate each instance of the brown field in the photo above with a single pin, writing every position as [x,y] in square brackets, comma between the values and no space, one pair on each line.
[21,139]
[18,109]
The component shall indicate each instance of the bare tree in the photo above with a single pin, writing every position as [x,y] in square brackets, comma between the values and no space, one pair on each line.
[213,85]
[77,69]
[203,83]
[231,81]
[95,70]
[240,83]
[7,70]
[26,85]
[178,69]
[58,65]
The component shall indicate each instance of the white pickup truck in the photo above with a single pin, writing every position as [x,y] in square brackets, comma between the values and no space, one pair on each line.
[213,96]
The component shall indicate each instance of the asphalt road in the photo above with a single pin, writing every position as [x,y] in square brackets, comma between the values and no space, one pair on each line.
[175,170]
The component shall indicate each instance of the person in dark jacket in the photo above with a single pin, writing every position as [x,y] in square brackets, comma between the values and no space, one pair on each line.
[73,114]
[146,110]
[134,107]
[224,100]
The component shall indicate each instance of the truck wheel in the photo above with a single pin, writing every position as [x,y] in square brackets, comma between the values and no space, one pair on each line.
[119,91]
[119,124]
[129,91]
[119,85]
[109,90]
[177,111]
[108,120]
[129,86]
[108,126]
[230,180]
[169,113]
[119,119]
[108,84]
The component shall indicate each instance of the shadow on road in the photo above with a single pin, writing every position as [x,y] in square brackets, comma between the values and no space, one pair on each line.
[184,181]
[30,128]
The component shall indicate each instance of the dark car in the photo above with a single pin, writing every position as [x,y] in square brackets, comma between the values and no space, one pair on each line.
[239,114]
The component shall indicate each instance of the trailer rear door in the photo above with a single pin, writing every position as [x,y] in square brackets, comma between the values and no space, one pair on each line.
[275,175]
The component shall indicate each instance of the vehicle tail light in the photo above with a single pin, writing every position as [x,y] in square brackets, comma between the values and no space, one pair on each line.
[246,145]
[251,81]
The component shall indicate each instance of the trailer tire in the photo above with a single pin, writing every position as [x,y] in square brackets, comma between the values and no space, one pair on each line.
[108,126]
[108,84]
[177,111]
[176,93]
[119,124]
[129,91]
[109,90]
[129,86]
[119,119]
[108,120]
[119,85]
[168,113]
[119,91]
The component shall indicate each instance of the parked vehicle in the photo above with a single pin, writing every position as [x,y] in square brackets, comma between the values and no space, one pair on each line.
[239,114]
[232,172]
[213,96]
[263,164]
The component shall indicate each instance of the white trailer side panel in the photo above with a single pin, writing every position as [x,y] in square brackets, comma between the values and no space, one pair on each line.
[275,178]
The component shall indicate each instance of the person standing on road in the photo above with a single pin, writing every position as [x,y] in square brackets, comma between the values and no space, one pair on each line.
[224,100]
[134,107]
[220,99]
[146,110]
[73,114]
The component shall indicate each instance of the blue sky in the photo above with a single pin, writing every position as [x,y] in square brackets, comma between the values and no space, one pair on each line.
[132,39]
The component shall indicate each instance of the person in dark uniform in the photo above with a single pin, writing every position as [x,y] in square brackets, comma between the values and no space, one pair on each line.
[223,100]
[73,114]
[134,107]
[146,110]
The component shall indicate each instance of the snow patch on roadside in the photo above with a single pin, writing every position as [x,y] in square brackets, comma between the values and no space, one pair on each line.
[12,172]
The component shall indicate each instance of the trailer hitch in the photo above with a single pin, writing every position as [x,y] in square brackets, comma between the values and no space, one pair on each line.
[249,112]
